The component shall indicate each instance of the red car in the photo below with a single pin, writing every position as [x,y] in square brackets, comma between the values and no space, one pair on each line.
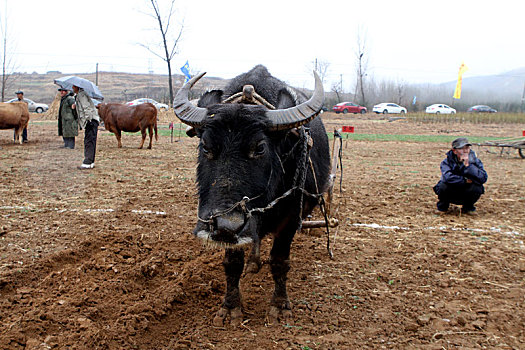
[348,107]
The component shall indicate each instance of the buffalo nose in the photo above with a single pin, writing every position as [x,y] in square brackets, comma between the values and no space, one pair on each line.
[230,223]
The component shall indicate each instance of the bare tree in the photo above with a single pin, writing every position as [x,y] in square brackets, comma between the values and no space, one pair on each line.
[401,87]
[7,63]
[321,67]
[361,65]
[338,89]
[169,46]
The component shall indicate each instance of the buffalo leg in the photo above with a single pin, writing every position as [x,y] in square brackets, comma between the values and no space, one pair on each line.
[18,135]
[143,132]
[254,260]
[279,266]
[233,265]
[150,130]
[118,135]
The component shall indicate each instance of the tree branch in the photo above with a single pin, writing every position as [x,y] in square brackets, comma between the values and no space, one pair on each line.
[153,52]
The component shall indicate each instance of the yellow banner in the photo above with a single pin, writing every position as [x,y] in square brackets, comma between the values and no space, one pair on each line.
[457,92]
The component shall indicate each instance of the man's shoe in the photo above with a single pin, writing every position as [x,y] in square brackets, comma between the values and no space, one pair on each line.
[25,141]
[442,207]
[469,210]
[86,166]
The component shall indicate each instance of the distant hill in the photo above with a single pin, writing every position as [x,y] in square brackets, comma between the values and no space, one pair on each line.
[116,87]
[507,86]
[499,90]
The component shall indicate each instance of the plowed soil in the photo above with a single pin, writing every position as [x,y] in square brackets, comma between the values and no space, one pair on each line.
[104,259]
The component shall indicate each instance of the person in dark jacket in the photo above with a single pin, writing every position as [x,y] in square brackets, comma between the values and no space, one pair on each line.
[67,118]
[462,178]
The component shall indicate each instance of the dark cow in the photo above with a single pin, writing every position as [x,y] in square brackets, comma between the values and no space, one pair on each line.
[14,115]
[118,117]
[254,174]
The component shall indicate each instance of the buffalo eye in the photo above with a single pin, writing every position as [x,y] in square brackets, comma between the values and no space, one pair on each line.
[259,149]
[206,150]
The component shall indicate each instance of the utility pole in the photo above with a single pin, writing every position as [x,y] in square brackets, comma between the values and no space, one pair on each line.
[96,77]
[523,99]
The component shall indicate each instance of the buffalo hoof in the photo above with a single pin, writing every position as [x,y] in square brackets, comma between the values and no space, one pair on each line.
[275,315]
[235,317]
[253,266]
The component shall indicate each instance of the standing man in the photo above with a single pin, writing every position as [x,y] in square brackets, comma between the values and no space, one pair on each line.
[462,178]
[67,118]
[20,96]
[88,120]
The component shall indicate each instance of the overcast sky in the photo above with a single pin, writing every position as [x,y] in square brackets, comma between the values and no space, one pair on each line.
[411,41]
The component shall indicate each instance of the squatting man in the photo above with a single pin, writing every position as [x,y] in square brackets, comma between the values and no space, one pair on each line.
[462,178]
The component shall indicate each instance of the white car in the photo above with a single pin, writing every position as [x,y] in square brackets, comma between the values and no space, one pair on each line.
[32,106]
[389,107]
[439,108]
[139,101]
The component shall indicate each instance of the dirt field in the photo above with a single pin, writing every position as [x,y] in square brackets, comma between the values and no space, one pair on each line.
[103,259]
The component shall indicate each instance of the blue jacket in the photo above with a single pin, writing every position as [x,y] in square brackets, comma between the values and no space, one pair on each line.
[455,172]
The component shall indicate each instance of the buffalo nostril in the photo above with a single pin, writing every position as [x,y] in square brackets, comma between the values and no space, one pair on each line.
[230,223]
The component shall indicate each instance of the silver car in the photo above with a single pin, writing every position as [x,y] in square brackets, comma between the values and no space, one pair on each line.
[32,106]
[139,101]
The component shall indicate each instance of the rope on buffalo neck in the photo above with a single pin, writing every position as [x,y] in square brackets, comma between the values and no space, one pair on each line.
[300,173]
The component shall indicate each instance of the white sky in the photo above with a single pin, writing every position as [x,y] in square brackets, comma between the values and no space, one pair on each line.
[413,41]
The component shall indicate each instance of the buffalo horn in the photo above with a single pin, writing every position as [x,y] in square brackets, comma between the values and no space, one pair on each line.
[184,109]
[293,117]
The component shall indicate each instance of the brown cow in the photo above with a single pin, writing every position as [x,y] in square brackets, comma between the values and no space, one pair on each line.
[118,117]
[14,115]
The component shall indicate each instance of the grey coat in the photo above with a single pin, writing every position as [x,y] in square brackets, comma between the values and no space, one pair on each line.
[67,120]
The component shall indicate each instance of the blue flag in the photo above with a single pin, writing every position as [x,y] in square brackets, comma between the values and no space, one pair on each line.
[414,100]
[186,70]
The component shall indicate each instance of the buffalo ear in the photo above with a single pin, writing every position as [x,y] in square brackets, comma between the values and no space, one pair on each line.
[210,98]
[191,131]
[285,99]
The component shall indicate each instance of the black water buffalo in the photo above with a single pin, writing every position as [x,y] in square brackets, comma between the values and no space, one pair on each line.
[254,174]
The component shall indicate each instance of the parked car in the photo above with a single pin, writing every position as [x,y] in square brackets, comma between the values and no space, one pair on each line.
[440,109]
[139,101]
[389,107]
[481,109]
[32,106]
[348,107]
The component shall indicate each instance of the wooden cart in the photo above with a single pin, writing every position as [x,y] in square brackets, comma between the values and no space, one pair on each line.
[506,145]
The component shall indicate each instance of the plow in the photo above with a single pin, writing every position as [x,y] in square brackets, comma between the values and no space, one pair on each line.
[505,145]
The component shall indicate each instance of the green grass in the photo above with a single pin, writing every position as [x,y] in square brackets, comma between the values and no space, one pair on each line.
[413,138]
